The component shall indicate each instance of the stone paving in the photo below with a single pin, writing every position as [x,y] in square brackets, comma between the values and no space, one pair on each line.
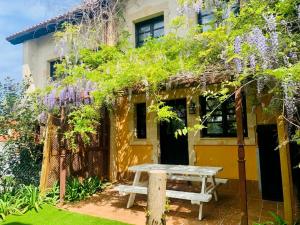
[111,205]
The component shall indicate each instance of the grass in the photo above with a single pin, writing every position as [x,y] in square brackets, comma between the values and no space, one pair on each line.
[51,215]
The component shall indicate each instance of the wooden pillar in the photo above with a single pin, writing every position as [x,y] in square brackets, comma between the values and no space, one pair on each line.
[156,198]
[62,158]
[241,156]
[62,175]
[286,173]
[46,156]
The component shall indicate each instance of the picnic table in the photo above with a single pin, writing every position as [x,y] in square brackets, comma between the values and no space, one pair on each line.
[203,174]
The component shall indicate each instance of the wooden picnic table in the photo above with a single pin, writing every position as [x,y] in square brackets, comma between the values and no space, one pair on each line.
[203,174]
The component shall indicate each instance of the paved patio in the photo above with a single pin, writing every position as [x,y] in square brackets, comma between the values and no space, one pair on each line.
[111,205]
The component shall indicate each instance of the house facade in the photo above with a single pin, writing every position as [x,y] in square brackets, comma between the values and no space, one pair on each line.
[136,137]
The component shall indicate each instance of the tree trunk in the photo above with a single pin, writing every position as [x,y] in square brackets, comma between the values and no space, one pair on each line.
[156,198]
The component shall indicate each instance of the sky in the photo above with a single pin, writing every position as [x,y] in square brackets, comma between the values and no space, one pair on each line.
[17,15]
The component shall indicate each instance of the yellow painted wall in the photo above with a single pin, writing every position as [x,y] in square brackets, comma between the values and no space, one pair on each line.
[226,157]
[127,150]
[124,153]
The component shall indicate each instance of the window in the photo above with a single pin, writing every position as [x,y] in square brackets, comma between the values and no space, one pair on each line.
[150,28]
[53,69]
[222,119]
[140,113]
[207,17]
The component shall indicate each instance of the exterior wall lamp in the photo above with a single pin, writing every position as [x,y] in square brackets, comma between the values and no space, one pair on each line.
[192,108]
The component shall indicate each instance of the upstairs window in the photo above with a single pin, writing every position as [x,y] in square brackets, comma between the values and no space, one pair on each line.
[150,28]
[207,17]
[53,69]
[140,118]
[222,119]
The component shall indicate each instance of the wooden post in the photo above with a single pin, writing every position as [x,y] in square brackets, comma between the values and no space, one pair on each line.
[156,198]
[286,173]
[46,156]
[62,158]
[241,156]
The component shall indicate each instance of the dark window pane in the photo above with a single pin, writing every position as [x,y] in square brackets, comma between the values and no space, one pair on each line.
[207,17]
[214,128]
[144,28]
[158,33]
[150,28]
[141,120]
[53,69]
[143,36]
[158,24]
[222,120]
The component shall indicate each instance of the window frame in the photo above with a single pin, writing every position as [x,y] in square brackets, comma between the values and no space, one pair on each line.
[225,122]
[151,23]
[138,123]
[52,69]
[235,8]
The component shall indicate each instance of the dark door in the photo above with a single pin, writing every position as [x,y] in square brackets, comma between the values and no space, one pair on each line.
[105,142]
[270,171]
[174,150]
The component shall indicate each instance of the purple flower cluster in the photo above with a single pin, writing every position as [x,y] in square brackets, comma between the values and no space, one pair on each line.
[50,100]
[76,95]
[198,6]
[289,98]
[271,22]
[237,49]
[42,118]
[252,61]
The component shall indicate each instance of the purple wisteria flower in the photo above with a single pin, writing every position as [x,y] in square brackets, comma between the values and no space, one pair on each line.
[252,61]
[257,39]
[42,118]
[271,22]
[237,49]
[289,98]
[50,100]
[238,44]
[198,6]
[238,64]
[274,41]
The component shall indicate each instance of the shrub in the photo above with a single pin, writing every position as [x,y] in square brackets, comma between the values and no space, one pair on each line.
[30,197]
[52,195]
[76,190]
[10,204]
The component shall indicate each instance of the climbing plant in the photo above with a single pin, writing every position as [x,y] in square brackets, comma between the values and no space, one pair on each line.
[258,47]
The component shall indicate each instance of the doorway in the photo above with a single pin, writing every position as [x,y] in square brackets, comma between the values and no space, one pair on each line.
[269,159]
[174,150]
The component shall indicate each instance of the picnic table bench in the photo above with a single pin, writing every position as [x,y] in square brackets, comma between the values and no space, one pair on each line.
[201,174]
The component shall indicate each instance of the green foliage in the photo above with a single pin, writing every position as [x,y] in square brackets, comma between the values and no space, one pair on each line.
[22,153]
[76,190]
[51,215]
[83,123]
[117,69]
[52,195]
[30,197]
[277,220]
[17,199]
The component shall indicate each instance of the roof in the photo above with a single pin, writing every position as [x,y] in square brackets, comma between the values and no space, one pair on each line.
[45,27]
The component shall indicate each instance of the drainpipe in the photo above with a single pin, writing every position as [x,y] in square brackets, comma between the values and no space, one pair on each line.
[241,156]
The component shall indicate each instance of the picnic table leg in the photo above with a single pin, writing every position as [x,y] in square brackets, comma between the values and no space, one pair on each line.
[135,183]
[214,183]
[203,186]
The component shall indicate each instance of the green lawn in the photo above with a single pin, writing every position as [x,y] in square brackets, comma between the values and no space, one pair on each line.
[50,215]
